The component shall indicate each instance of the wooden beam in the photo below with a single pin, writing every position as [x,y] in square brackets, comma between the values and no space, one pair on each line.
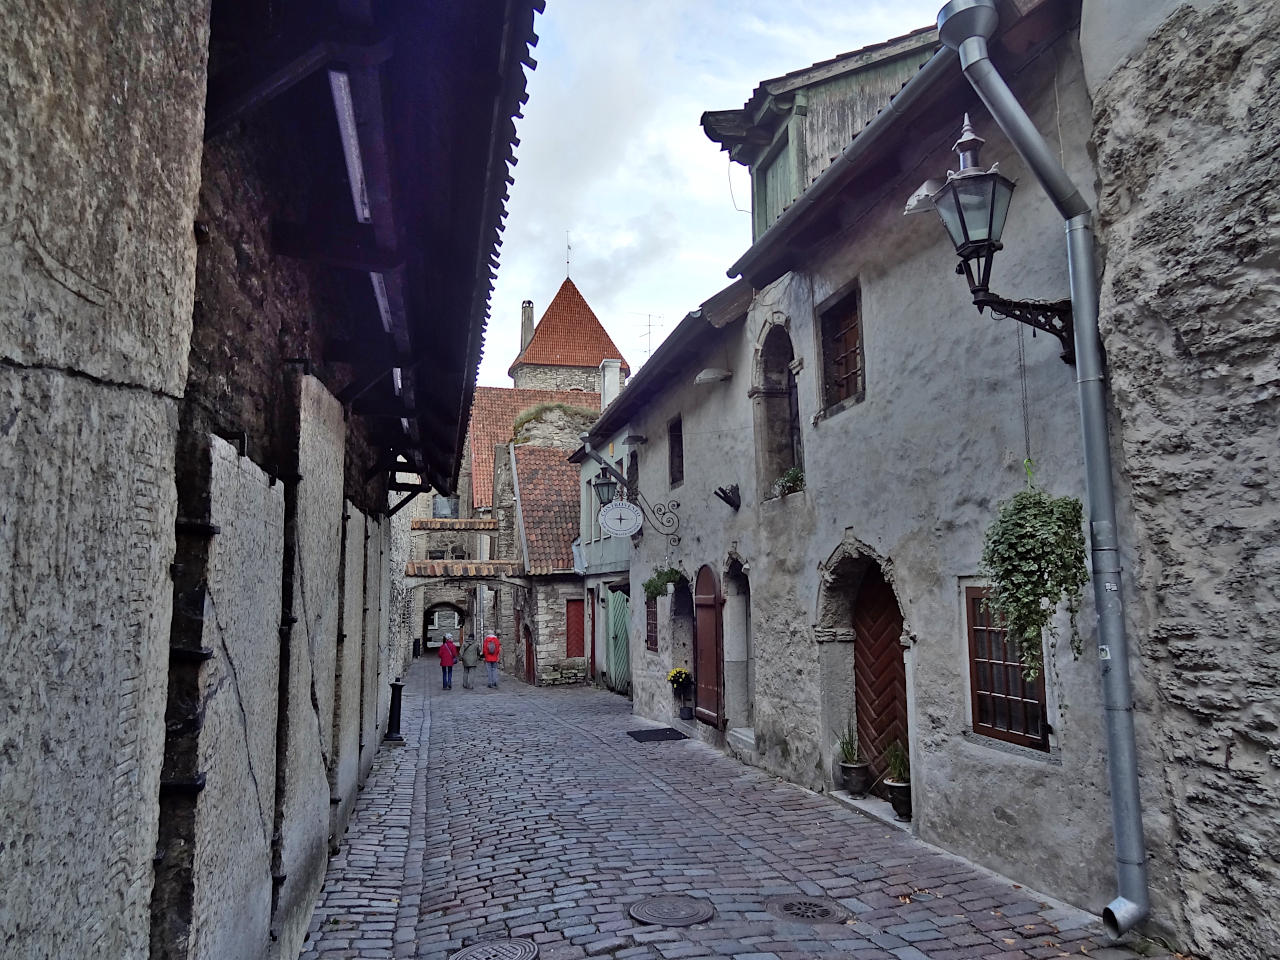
[374,351]
[353,246]
[269,71]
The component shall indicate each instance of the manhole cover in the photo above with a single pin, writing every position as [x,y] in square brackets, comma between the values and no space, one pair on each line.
[672,910]
[810,909]
[509,948]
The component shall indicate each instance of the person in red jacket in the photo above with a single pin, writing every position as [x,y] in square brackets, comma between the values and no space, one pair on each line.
[491,650]
[448,657]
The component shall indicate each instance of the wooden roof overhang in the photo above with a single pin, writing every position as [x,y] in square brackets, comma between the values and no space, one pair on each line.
[928,106]
[432,92]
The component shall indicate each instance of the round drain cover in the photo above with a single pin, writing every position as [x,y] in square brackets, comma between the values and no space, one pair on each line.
[672,910]
[508,948]
[808,909]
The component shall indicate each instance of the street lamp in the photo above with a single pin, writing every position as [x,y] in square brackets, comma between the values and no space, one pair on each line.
[973,204]
[606,487]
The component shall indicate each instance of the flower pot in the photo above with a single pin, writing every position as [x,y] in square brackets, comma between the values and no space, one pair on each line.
[856,778]
[686,711]
[900,796]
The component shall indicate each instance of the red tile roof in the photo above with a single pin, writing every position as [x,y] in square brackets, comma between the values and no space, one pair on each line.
[569,335]
[440,523]
[461,569]
[547,491]
[493,413]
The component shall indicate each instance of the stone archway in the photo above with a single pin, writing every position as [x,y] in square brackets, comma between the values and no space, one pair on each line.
[860,627]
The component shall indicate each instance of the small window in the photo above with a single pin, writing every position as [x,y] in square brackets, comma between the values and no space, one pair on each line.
[843,375]
[444,508]
[435,554]
[675,451]
[1006,705]
[651,624]
[457,552]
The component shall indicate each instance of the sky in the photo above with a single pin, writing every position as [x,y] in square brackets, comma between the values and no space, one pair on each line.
[612,155]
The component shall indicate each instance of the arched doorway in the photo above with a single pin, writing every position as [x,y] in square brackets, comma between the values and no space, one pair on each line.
[879,675]
[439,619]
[708,649]
[529,660]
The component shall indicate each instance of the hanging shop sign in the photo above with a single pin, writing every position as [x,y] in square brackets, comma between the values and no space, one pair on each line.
[620,518]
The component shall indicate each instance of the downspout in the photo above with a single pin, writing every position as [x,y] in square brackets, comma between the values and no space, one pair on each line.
[965,26]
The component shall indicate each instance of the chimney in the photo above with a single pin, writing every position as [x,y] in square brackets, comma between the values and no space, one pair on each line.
[526,324]
[610,381]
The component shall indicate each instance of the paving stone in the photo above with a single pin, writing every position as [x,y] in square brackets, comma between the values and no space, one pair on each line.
[528,812]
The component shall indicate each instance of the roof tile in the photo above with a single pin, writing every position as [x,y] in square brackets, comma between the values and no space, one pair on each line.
[569,335]
[548,496]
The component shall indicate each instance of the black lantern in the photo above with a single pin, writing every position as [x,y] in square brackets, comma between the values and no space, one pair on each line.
[606,487]
[973,205]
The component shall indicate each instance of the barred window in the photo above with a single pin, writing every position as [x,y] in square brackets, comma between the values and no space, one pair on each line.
[1006,705]
[843,373]
[651,624]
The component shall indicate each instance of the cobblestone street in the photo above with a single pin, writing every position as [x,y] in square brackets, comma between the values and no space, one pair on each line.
[529,812]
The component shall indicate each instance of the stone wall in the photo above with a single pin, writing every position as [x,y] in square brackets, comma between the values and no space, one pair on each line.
[1188,145]
[310,629]
[344,761]
[537,376]
[234,819]
[97,196]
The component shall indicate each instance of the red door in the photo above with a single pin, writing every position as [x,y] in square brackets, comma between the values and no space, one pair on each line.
[591,636]
[879,677]
[708,650]
[573,629]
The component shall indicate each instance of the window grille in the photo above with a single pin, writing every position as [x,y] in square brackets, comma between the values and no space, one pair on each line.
[1006,705]
[651,624]
[844,376]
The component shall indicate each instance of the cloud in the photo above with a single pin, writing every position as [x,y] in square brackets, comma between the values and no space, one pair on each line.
[612,151]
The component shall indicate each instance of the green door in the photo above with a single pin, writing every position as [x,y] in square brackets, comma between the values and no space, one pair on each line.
[618,667]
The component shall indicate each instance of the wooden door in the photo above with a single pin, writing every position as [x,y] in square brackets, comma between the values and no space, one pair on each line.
[574,645]
[880,680]
[528,657]
[708,649]
[591,636]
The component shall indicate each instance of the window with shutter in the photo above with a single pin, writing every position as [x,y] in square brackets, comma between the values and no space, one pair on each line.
[1006,705]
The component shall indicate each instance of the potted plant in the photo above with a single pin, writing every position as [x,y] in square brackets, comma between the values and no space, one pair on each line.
[659,583]
[681,681]
[897,779]
[791,481]
[1034,557]
[855,772]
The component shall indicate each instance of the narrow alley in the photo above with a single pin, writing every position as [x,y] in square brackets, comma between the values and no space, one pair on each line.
[528,812]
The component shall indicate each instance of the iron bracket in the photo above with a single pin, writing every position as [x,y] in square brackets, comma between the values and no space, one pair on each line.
[1051,316]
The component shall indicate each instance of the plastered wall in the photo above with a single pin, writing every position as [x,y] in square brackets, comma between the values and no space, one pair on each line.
[909,478]
[344,761]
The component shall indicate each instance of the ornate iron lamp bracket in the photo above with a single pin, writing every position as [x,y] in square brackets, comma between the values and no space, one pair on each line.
[1051,316]
[661,516]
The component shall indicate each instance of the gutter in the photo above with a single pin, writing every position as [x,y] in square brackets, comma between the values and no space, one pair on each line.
[965,26]
[832,180]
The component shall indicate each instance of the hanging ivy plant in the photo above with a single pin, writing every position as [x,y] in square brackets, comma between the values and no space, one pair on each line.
[1034,557]
[656,585]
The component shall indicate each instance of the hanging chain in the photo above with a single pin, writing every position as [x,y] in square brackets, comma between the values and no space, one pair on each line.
[1026,411]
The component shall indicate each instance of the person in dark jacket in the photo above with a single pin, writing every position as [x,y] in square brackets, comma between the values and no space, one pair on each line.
[470,657]
[448,657]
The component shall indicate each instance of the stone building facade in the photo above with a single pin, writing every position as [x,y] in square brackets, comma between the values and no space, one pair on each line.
[1169,115]
[195,608]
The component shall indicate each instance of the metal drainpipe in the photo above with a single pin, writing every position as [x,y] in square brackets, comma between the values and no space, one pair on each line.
[965,26]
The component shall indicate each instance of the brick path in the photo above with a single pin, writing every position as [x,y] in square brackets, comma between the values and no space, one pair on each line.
[544,820]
